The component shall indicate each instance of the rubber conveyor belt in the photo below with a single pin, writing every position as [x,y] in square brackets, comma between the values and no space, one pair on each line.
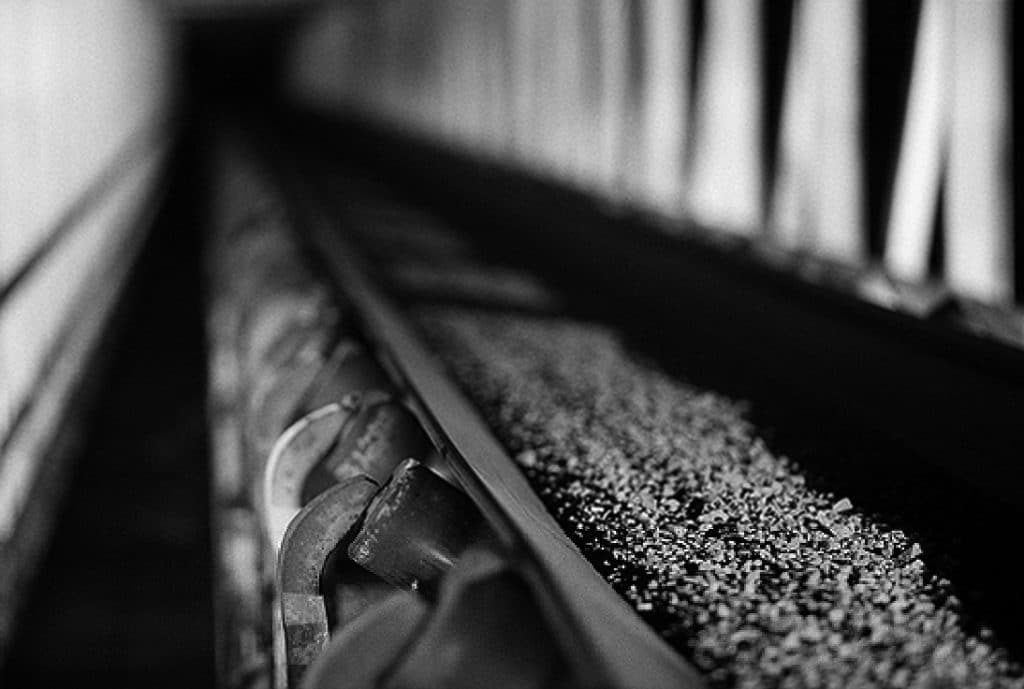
[746,562]
[617,649]
[602,642]
[502,351]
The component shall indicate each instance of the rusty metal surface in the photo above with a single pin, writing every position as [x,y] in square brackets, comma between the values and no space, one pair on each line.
[310,539]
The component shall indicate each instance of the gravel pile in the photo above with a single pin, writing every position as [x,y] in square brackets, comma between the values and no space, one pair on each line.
[718,543]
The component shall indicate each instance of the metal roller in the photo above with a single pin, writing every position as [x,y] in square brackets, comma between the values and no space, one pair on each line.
[416,529]
[352,368]
[380,434]
[349,369]
[364,434]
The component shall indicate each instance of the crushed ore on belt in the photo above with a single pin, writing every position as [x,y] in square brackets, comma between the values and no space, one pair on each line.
[717,542]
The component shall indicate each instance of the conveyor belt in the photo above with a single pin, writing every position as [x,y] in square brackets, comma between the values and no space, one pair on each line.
[753,567]
[278,621]
[616,648]
[524,371]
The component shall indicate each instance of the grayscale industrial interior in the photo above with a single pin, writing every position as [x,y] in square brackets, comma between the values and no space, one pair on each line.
[457,344]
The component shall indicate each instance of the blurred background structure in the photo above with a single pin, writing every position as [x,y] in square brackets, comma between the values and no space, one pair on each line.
[86,99]
[876,135]
[867,147]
